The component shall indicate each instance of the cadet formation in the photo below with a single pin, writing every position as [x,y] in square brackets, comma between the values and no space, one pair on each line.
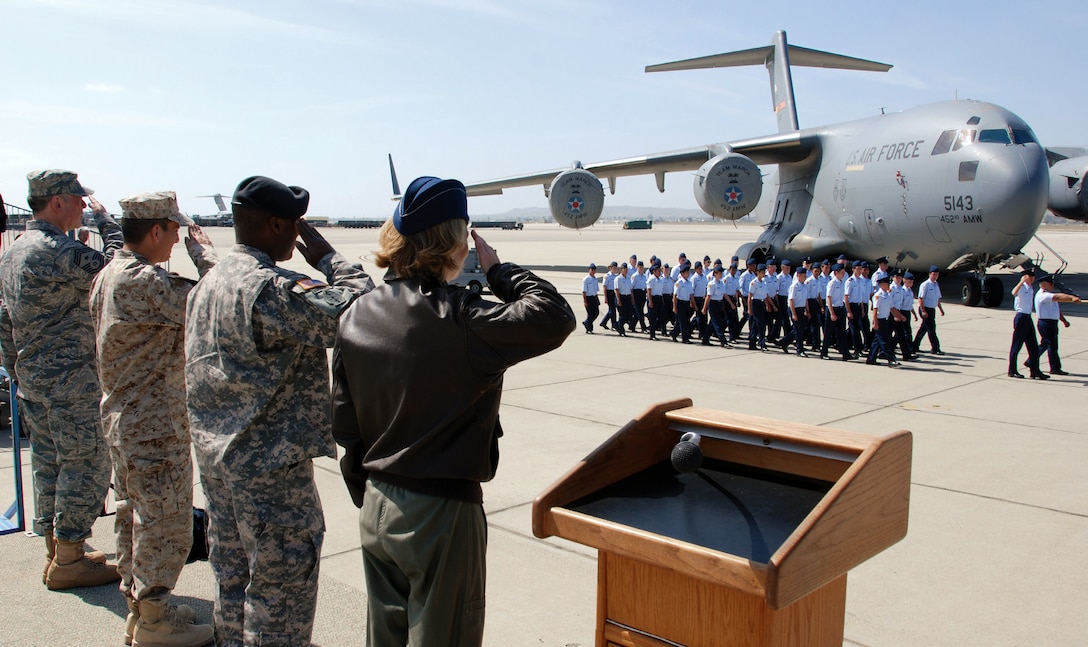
[833,309]
[121,367]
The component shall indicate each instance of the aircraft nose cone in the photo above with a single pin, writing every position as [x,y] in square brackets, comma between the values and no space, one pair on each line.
[1013,182]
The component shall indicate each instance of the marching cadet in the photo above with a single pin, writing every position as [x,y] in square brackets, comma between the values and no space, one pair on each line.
[743,282]
[812,331]
[259,402]
[857,298]
[883,322]
[835,316]
[903,304]
[680,260]
[783,320]
[770,281]
[654,301]
[1023,330]
[638,294]
[1050,313]
[45,277]
[759,300]
[909,313]
[881,271]
[610,296]
[590,299]
[668,285]
[732,296]
[929,304]
[623,300]
[698,292]
[714,306]
[797,311]
[138,311]
[683,302]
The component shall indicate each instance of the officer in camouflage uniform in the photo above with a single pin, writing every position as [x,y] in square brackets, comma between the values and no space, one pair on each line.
[48,349]
[257,381]
[138,310]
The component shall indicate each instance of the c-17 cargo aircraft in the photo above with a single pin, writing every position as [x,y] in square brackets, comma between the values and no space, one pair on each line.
[958,184]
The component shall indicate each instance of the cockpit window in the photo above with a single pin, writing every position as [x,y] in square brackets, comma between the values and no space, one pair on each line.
[973,121]
[1023,136]
[963,138]
[944,142]
[995,136]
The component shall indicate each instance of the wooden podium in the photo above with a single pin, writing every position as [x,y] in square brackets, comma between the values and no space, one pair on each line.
[751,550]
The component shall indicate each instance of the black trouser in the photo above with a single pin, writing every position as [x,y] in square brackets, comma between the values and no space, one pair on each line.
[716,311]
[835,331]
[610,303]
[698,317]
[625,307]
[639,314]
[593,308]
[882,342]
[901,337]
[783,323]
[745,319]
[928,328]
[731,322]
[656,314]
[1048,343]
[815,322]
[757,327]
[682,326]
[859,326]
[666,316]
[1023,334]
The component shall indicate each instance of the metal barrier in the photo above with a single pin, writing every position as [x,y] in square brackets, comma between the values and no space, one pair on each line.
[14,519]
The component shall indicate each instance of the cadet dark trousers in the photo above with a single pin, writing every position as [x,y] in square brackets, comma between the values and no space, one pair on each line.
[732,324]
[757,328]
[655,315]
[625,308]
[425,561]
[698,318]
[783,322]
[1048,343]
[901,337]
[815,323]
[835,331]
[859,326]
[882,342]
[716,311]
[1023,334]
[682,326]
[610,314]
[639,314]
[745,318]
[796,333]
[928,328]
[593,308]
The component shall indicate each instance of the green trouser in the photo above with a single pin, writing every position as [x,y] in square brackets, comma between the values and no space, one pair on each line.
[425,564]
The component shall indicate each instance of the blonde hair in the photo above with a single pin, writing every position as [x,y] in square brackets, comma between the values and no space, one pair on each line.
[424,256]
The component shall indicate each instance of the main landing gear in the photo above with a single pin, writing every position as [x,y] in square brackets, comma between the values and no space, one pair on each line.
[982,290]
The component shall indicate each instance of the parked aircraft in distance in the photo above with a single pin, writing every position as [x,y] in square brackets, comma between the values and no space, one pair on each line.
[959,184]
[225,217]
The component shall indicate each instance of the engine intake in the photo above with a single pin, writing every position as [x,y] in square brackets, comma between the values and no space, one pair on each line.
[1068,196]
[728,186]
[576,198]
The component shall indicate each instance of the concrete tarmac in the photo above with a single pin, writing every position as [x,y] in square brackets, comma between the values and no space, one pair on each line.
[999,502]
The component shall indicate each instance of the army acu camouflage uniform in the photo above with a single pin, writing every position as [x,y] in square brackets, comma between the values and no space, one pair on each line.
[138,309]
[48,349]
[257,378]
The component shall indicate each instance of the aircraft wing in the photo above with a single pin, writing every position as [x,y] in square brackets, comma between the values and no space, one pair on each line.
[770,149]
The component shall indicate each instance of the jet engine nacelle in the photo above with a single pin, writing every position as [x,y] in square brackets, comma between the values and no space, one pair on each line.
[576,198]
[728,186]
[1068,195]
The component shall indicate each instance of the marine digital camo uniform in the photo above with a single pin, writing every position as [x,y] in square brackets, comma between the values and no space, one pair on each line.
[48,348]
[257,378]
[139,313]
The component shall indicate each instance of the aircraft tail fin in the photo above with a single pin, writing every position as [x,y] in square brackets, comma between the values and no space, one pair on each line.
[218,197]
[777,58]
[393,176]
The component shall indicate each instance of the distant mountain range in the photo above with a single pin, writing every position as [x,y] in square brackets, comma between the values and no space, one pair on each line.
[618,213]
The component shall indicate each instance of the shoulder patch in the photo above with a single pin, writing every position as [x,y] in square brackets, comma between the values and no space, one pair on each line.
[309,284]
[88,260]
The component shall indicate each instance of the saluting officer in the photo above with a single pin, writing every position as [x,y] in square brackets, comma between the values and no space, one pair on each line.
[1023,330]
[1050,313]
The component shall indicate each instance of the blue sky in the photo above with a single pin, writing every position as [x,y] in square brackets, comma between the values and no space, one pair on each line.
[141,95]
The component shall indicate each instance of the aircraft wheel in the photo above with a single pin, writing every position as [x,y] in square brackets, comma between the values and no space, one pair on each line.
[475,287]
[971,292]
[993,292]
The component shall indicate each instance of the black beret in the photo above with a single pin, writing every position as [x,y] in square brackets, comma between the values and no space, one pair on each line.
[266,194]
[430,201]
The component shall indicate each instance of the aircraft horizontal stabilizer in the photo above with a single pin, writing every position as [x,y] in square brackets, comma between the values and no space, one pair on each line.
[762,55]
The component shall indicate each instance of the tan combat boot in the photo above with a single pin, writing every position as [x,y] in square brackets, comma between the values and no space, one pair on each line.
[71,568]
[183,611]
[50,550]
[163,626]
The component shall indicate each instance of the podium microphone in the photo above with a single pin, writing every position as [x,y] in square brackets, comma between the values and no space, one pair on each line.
[686,455]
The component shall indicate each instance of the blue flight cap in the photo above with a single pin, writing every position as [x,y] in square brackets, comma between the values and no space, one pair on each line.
[430,201]
[934,268]
[761,266]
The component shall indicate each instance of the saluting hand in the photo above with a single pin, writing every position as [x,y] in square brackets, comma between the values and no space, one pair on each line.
[197,236]
[484,252]
[312,245]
